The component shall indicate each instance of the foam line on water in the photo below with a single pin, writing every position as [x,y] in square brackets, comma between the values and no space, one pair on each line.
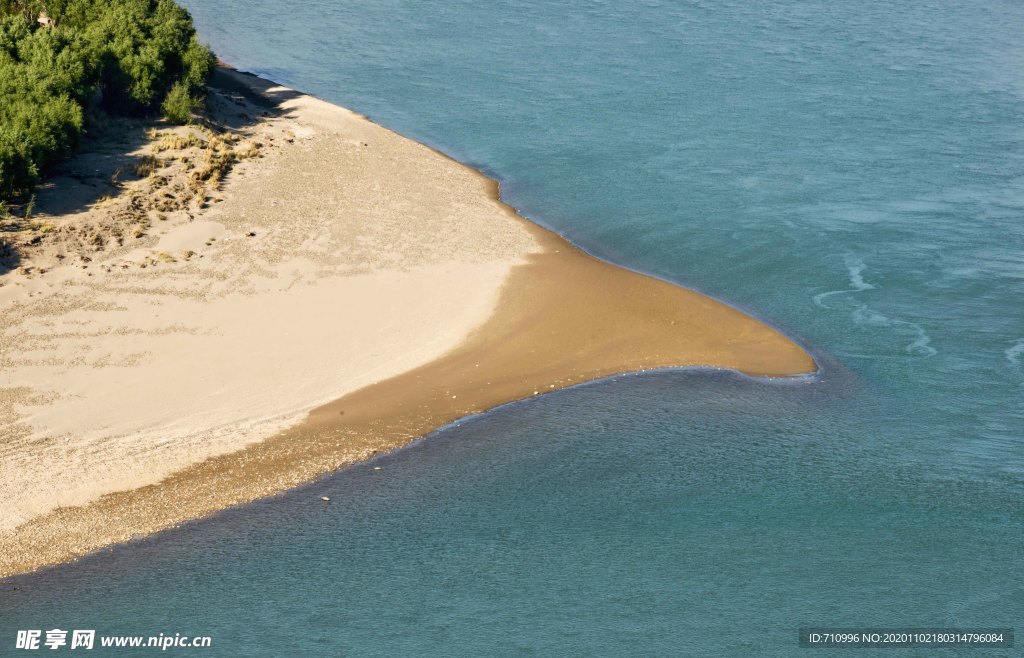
[1014,352]
[855,269]
[865,316]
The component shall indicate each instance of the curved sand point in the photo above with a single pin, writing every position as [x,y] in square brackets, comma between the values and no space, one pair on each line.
[561,318]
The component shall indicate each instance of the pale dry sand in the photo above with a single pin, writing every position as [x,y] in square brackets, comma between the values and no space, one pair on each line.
[372,255]
[373,280]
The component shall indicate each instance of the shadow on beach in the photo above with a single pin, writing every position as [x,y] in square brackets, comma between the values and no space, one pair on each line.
[9,257]
[92,202]
[245,89]
[115,149]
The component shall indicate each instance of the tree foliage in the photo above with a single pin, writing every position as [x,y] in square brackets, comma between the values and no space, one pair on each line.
[60,60]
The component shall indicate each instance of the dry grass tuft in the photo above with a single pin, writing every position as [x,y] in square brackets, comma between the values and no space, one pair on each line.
[216,165]
[173,142]
[250,150]
[147,165]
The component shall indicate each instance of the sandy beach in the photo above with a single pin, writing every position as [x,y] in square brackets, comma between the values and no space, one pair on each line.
[343,292]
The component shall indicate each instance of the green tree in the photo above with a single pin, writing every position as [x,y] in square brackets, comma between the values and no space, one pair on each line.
[131,57]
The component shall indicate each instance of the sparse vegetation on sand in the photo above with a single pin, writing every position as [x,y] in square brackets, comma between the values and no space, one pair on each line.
[160,174]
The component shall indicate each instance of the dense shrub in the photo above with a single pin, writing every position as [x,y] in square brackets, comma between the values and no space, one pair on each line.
[180,104]
[61,59]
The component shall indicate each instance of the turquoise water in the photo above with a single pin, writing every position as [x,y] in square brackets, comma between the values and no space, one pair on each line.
[853,172]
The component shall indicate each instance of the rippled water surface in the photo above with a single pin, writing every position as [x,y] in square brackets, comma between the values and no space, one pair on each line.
[853,172]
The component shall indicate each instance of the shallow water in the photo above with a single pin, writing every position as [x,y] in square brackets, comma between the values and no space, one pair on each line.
[853,172]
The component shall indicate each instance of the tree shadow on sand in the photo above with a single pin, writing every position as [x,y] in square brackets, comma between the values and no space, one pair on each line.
[9,256]
[116,151]
[113,153]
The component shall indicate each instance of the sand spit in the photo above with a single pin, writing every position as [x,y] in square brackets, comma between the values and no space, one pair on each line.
[382,276]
